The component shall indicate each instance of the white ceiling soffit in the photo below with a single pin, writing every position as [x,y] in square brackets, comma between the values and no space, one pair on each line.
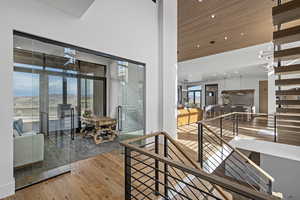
[75,8]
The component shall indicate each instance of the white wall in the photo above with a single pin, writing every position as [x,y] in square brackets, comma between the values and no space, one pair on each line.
[286,174]
[281,161]
[271,93]
[125,28]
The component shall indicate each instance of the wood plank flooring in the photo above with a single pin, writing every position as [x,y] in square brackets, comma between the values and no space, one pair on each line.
[260,129]
[102,177]
[97,178]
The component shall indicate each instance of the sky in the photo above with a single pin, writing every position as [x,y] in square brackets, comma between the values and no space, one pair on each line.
[27,84]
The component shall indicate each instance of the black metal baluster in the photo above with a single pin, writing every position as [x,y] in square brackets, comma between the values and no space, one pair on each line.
[275,128]
[237,124]
[156,166]
[72,124]
[127,174]
[221,127]
[200,144]
[166,168]
[233,123]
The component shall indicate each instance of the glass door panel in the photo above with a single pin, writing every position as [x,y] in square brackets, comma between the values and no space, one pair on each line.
[55,99]
[130,99]
[191,98]
[198,99]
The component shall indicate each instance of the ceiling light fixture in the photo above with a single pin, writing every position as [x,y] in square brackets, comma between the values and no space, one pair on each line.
[225,38]
[198,46]
[213,16]
[200,0]
[18,47]
[242,34]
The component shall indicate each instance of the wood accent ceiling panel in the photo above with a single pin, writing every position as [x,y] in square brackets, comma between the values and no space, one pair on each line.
[243,22]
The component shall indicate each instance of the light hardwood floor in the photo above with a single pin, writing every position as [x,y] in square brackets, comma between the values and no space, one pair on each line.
[97,178]
[102,177]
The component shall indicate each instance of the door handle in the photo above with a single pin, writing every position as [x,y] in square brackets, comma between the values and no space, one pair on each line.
[120,123]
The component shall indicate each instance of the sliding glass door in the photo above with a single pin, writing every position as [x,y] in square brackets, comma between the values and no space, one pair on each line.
[130,99]
[54,86]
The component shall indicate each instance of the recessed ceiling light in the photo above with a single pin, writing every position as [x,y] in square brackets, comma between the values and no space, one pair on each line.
[198,46]
[200,0]
[213,16]
[225,38]
[242,34]
[18,47]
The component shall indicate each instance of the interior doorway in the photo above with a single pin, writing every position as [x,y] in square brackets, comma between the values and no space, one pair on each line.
[211,94]
[263,96]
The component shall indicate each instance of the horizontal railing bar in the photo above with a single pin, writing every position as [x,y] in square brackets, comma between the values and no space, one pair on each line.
[224,183]
[154,179]
[169,175]
[142,138]
[241,113]
[143,160]
[178,147]
[140,192]
[176,155]
[150,187]
[247,168]
[144,145]
[201,191]
[143,169]
[134,197]
[178,193]
[143,181]
[229,171]
[242,155]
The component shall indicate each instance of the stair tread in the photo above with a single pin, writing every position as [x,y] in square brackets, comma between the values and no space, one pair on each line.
[288,110]
[287,54]
[291,81]
[290,69]
[288,102]
[288,92]
[287,35]
[286,12]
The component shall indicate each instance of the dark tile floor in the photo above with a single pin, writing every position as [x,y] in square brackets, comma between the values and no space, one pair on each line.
[59,151]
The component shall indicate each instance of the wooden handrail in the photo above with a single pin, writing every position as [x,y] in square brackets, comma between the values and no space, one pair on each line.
[211,178]
[242,155]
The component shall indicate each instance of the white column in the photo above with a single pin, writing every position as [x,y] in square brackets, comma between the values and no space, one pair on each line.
[168,65]
[6,109]
[271,93]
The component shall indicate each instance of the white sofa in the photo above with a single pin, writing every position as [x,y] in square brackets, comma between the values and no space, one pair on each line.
[28,148]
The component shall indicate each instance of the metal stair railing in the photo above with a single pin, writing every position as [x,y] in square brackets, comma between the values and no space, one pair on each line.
[217,156]
[157,167]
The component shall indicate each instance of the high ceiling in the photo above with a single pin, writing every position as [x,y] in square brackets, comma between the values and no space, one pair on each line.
[207,27]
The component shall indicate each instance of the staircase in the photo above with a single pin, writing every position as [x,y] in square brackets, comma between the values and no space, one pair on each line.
[218,157]
[157,167]
[286,38]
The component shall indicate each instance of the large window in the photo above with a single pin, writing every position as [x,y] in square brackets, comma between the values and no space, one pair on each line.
[194,96]
[26,96]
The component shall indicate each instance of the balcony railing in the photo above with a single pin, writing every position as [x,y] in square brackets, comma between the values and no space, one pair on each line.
[157,167]
[217,156]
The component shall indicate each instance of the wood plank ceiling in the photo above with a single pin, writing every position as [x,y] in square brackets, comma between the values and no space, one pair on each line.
[207,27]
